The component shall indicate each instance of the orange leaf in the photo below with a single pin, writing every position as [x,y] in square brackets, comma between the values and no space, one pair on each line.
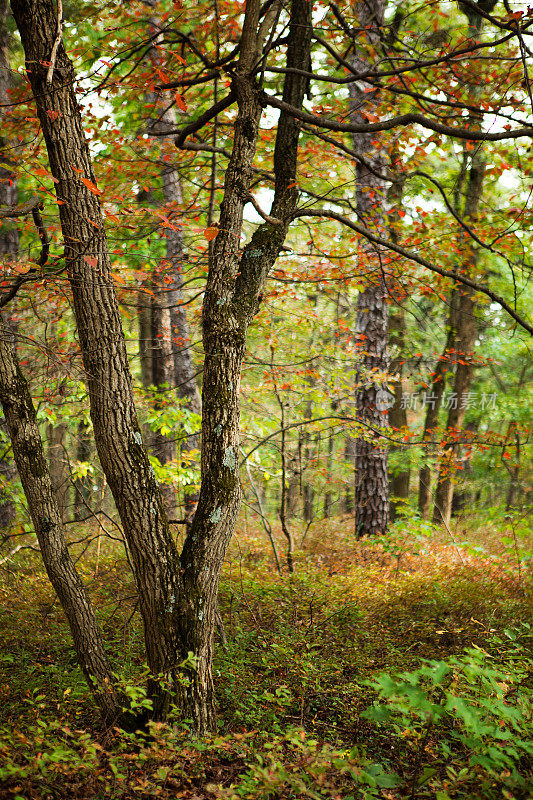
[91,260]
[211,233]
[180,102]
[21,269]
[91,186]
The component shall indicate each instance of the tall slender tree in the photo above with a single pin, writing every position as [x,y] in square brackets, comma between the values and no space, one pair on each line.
[371,458]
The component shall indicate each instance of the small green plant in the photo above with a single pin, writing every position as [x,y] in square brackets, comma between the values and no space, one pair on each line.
[292,765]
[471,714]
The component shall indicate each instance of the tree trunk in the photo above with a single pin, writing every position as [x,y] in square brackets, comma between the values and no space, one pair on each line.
[466,324]
[433,405]
[23,430]
[118,439]
[9,245]
[57,456]
[82,486]
[371,461]
[399,479]
[177,596]
[164,325]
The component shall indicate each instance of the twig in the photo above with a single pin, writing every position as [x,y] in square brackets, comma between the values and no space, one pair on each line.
[57,42]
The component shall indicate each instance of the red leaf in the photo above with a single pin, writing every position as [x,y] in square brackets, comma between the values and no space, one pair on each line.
[180,102]
[211,233]
[91,260]
[91,186]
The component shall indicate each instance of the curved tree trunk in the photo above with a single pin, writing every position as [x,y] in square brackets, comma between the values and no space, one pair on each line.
[118,439]
[23,430]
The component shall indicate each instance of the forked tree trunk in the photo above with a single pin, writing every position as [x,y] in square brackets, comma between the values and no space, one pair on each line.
[31,463]
[177,596]
[371,460]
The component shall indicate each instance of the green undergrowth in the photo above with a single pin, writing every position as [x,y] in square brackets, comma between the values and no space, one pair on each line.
[398,668]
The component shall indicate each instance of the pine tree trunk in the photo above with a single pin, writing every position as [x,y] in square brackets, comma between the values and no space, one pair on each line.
[371,460]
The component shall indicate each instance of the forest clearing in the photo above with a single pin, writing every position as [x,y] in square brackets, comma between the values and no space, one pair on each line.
[298,676]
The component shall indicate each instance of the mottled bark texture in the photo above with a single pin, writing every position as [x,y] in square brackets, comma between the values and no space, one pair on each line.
[118,439]
[234,283]
[31,463]
[372,400]
[9,242]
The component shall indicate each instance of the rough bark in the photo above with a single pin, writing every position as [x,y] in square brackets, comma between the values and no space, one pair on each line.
[177,597]
[31,463]
[82,486]
[9,243]
[57,459]
[371,460]
[231,300]
[118,439]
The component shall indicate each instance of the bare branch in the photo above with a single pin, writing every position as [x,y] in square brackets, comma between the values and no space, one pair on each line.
[372,237]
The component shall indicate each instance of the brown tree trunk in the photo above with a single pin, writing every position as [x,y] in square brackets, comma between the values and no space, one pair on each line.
[82,486]
[163,325]
[231,300]
[9,245]
[57,459]
[433,405]
[466,324]
[399,479]
[118,439]
[371,460]
[23,430]
[177,596]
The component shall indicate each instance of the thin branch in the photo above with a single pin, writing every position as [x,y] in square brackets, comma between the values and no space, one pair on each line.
[57,42]
[403,120]
[204,118]
[445,273]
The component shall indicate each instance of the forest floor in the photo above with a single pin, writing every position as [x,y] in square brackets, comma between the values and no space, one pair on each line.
[394,669]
